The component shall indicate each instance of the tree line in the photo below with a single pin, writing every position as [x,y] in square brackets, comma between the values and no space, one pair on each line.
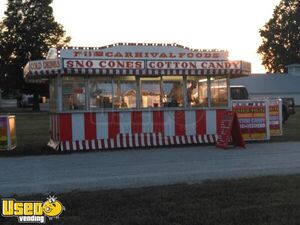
[281,37]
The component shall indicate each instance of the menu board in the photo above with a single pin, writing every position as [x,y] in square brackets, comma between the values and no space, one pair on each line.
[226,127]
[230,131]
[275,117]
[253,117]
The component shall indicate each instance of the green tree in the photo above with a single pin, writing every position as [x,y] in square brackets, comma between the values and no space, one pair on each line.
[281,37]
[27,31]
[10,28]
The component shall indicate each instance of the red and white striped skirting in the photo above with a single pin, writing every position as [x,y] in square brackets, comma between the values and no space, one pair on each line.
[111,130]
[137,140]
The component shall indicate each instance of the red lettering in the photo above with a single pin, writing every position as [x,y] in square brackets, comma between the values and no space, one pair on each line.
[128,55]
[211,65]
[129,64]
[204,65]
[193,65]
[160,65]
[216,55]
[138,65]
[220,65]
[236,65]
[190,55]
[152,65]
[87,54]
[79,64]
[109,54]
[154,54]
[184,65]
[172,55]
[199,55]
[89,64]
[163,55]
[207,55]
[118,55]
[77,53]
[176,64]
[181,55]
[138,54]
[168,64]
[70,64]
[50,64]
[98,54]
[102,64]
[121,64]
[36,65]
[227,65]
[111,64]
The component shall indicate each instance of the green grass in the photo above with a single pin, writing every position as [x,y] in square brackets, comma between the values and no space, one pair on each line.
[32,134]
[291,128]
[264,200]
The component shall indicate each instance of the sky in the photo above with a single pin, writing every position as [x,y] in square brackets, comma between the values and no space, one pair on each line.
[232,25]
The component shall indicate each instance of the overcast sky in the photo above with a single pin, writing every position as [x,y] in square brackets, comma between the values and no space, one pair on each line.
[232,24]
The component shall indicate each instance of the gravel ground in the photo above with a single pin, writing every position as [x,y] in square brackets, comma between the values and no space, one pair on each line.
[134,168]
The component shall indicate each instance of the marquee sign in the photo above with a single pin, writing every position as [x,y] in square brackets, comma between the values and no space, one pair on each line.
[144,51]
[38,66]
[144,64]
[148,58]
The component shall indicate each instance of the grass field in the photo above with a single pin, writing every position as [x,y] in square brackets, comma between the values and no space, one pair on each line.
[254,201]
[32,134]
[291,128]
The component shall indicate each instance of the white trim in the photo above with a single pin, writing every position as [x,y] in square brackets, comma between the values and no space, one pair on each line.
[93,145]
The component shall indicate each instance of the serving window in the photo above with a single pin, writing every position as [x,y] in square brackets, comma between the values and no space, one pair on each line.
[219,91]
[172,91]
[196,91]
[131,92]
[100,92]
[150,92]
[73,93]
[125,92]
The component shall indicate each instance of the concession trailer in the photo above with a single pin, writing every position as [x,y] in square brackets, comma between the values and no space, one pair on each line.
[135,95]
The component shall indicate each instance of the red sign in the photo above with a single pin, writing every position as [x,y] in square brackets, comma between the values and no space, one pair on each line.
[140,64]
[230,131]
[253,118]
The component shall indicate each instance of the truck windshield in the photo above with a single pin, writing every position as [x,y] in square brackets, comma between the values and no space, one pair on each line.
[238,93]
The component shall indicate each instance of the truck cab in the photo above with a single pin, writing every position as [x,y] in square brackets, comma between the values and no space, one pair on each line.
[239,93]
